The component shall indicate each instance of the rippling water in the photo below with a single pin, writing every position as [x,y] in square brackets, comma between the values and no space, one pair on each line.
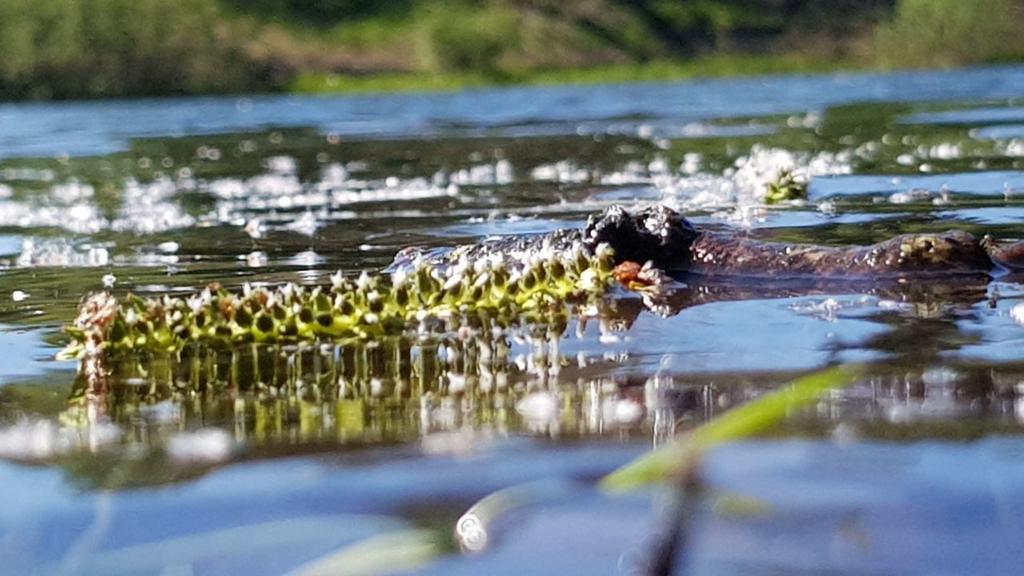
[271,459]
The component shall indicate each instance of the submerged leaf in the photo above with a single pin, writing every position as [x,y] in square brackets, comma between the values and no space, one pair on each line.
[742,422]
[384,554]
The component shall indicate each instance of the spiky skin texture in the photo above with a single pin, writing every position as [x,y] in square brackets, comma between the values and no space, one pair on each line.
[480,294]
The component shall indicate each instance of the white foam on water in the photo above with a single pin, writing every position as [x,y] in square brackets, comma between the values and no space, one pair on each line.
[59,252]
[499,173]
[830,309]
[80,218]
[414,189]
[280,200]
[151,208]
[27,174]
[563,171]
[144,208]
[272,198]
[281,164]
[741,189]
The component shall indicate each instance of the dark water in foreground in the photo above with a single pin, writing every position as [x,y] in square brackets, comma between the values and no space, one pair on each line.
[361,459]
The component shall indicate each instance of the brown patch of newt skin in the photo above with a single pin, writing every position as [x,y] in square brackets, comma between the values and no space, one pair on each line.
[639,278]
[948,253]
[626,272]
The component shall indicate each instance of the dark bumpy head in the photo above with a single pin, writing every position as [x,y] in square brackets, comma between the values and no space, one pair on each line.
[658,234]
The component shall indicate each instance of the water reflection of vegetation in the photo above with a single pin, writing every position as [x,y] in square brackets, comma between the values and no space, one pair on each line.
[388,390]
[457,394]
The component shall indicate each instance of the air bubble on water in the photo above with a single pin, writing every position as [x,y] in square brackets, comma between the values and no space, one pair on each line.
[659,165]
[484,174]
[256,259]
[150,208]
[827,309]
[621,411]
[691,163]
[909,196]
[945,151]
[563,171]
[254,228]
[285,165]
[307,224]
[205,446]
[1017,313]
[333,174]
[357,166]
[25,174]
[307,259]
[150,259]
[541,406]
[59,252]
[72,191]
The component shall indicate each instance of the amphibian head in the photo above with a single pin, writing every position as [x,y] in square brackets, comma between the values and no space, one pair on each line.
[657,234]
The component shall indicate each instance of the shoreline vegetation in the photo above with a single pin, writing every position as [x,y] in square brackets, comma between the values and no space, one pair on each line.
[712,66]
[87,49]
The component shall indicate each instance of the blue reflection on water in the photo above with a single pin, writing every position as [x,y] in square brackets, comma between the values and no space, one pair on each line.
[89,128]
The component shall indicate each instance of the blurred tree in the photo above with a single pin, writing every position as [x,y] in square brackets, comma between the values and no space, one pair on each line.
[66,48]
[325,12]
[951,33]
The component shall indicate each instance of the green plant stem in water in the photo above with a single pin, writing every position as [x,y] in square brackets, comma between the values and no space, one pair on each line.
[743,422]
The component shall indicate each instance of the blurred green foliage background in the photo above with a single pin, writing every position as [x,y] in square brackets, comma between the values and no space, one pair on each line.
[114,48]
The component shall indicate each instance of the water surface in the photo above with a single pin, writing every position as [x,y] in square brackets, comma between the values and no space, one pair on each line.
[272,460]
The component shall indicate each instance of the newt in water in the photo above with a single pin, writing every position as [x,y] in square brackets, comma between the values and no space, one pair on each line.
[666,239]
[514,281]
